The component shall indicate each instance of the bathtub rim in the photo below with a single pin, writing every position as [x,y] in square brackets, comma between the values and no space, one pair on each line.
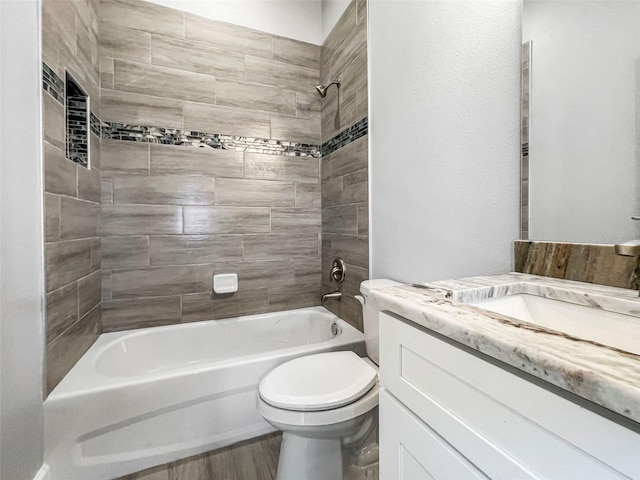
[94,381]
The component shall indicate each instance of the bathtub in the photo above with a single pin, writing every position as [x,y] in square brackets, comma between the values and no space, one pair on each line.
[147,397]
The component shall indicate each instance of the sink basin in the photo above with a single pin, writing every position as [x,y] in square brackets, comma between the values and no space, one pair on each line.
[601,326]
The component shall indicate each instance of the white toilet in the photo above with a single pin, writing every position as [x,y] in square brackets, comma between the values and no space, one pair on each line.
[326,406]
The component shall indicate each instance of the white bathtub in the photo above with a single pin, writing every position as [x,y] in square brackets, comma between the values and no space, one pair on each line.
[150,396]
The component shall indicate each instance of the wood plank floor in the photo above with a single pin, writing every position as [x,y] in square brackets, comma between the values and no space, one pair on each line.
[255,459]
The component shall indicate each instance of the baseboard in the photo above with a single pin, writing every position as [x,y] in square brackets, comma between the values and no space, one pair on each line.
[43,473]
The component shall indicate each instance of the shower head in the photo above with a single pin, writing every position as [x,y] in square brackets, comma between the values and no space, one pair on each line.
[322,89]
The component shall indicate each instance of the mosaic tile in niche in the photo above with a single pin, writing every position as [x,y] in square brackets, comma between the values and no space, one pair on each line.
[77,122]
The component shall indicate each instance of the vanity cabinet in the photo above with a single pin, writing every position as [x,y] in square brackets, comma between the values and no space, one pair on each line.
[448,413]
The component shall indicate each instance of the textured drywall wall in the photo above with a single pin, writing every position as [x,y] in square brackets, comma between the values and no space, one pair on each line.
[444,137]
[21,262]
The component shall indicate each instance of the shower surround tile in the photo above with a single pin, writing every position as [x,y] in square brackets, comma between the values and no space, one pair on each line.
[72,191]
[344,172]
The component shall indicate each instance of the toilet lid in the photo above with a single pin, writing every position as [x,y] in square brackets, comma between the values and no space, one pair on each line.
[318,382]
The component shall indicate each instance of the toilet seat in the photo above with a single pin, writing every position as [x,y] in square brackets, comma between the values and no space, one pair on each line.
[292,418]
[318,382]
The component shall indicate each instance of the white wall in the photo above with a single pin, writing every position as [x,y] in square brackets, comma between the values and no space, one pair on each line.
[21,258]
[585,106]
[444,88]
[299,19]
[332,10]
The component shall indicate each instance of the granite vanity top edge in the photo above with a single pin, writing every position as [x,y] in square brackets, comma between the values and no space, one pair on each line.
[600,374]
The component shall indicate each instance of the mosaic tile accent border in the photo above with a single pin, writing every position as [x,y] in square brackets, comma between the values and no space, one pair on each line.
[52,83]
[169,136]
[345,137]
[95,125]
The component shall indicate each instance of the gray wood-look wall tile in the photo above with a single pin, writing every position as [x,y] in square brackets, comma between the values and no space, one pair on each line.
[207,306]
[119,156]
[353,248]
[193,57]
[179,160]
[78,218]
[89,292]
[251,96]
[340,33]
[163,190]
[161,281]
[308,195]
[308,105]
[296,296]
[143,16]
[53,121]
[62,310]
[363,219]
[68,261]
[296,52]
[194,249]
[273,246]
[51,218]
[141,220]
[342,219]
[332,191]
[252,275]
[106,285]
[296,129]
[106,188]
[281,167]
[308,270]
[89,184]
[140,312]
[163,82]
[138,109]
[58,26]
[106,72]
[205,220]
[268,97]
[125,251]
[280,74]
[65,350]
[350,158]
[59,173]
[254,193]
[203,117]
[227,36]
[294,220]
[126,43]
[356,187]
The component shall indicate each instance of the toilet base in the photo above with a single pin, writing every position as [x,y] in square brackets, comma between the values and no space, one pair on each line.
[309,458]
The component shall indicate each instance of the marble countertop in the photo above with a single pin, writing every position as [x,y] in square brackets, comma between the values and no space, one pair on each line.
[604,375]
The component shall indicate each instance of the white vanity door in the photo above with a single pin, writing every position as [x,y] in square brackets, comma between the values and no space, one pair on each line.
[506,426]
[409,450]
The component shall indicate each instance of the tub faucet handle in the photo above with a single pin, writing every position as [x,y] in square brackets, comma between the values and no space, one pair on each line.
[338,270]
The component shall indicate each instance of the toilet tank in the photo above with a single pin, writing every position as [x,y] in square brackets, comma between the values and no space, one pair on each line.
[370,315]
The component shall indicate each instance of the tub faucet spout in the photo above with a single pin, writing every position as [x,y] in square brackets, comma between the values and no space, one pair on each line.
[332,296]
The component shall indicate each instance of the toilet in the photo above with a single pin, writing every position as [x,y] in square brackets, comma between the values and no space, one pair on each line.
[327,408]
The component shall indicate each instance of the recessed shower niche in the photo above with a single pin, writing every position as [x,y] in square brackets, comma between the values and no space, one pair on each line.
[77,122]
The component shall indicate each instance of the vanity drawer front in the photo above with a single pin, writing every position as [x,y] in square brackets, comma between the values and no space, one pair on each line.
[478,408]
[410,450]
